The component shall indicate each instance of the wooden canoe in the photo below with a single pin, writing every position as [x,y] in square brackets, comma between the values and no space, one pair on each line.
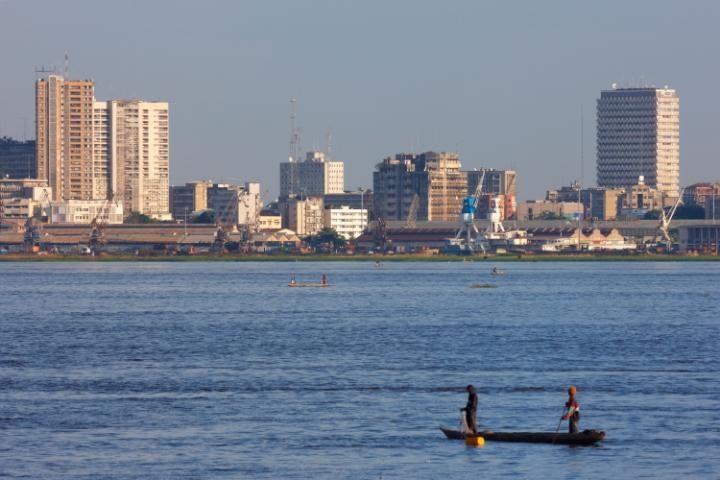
[586,437]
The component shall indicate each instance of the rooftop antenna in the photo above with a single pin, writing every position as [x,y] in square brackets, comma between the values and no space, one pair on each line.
[293,133]
[328,143]
[67,62]
[582,147]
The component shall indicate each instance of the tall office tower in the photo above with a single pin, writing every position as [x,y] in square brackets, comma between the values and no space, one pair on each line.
[136,137]
[64,131]
[434,177]
[316,176]
[638,135]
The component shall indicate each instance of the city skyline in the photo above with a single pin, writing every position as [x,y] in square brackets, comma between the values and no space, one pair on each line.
[506,87]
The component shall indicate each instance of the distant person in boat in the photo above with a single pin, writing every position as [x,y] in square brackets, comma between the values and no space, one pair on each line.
[494,270]
[572,414]
[324,279]
[470,409]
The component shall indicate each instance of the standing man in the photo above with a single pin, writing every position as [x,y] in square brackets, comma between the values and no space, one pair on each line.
[470,409]
[573,411]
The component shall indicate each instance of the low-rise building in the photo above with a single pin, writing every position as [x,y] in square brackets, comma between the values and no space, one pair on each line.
[188,198]
[306,216]
[85,211]
[347,222]
[270,222]
[20,198]
[545,210]
[640,199]
[700,238]
[700,193]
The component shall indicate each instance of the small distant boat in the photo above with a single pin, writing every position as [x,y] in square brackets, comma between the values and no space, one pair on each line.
[495,271]
[586,437]
[482,285]
[294,283]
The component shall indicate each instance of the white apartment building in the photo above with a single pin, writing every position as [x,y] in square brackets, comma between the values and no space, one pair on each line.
[638,135]
[317,175]
[132,136]
[249,205]
[347,222]
[85,211]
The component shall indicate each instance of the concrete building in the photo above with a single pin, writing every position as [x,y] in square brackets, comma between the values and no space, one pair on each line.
[269,221]
[189,198]
[712,208]
[306,216]
[132,143]
[638,200]
[64,133]
[362,199]
[700,193]
[235,204]
[638,134]
[601,203]
[17,158]
[317,175]
[700,238]
[347,222]
[435,178]
[539,210]
[20,199]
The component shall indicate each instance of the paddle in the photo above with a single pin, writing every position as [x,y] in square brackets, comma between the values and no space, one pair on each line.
[558,428]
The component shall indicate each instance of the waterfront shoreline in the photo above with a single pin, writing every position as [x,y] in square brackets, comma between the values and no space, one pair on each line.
[360,258]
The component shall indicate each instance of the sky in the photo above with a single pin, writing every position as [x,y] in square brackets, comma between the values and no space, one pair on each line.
[506,84]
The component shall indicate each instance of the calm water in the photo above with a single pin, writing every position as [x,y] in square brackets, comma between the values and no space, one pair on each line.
[218,370]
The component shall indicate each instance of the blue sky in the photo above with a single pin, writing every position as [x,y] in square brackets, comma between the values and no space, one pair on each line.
[502,83]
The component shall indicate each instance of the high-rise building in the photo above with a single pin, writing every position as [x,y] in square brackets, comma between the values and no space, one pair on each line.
[638,135]
[89,150]
[434,177]
[133,138]
[64,133]
[316,176]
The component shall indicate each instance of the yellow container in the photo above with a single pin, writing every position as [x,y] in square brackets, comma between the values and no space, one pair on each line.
[474,441]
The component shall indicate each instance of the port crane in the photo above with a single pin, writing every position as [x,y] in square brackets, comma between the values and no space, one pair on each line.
[412,213]
[664,226]
[467,219]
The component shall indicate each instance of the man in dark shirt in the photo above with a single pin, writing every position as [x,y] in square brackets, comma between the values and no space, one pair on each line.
[470,409]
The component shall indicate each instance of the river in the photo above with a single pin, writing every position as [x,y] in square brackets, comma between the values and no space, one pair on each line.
[219,370]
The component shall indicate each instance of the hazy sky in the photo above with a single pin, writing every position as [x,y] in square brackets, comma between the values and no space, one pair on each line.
[503,83]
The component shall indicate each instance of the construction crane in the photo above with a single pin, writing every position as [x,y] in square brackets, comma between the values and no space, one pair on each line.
[467,218]
[412,213]
[96,236]
[664,226]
